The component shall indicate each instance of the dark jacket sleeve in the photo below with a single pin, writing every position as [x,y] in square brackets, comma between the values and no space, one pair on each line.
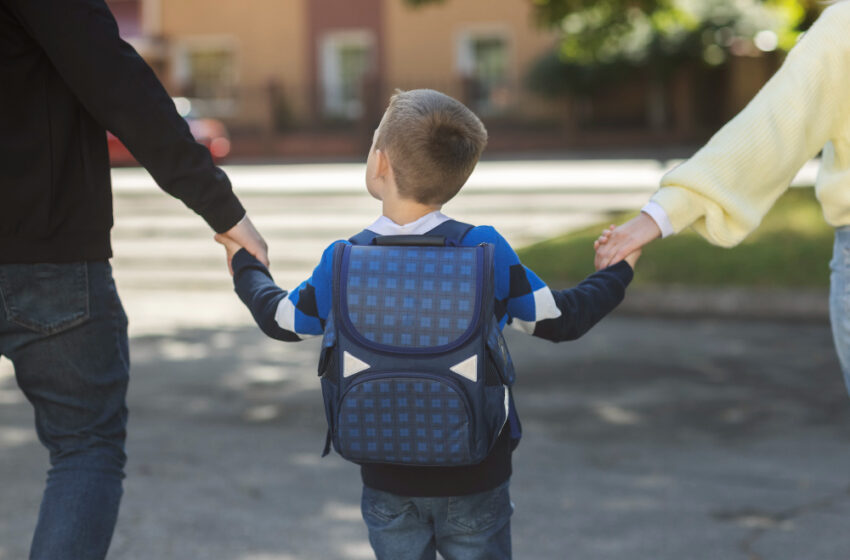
[115,85]
[586,304]
[255,287]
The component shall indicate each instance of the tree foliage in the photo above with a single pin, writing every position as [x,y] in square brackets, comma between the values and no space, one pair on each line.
[602,40]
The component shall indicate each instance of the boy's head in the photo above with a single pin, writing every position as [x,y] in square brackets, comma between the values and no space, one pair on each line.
[432,143]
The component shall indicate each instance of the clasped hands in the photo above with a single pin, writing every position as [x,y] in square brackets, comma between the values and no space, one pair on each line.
[243,236]
[625,242]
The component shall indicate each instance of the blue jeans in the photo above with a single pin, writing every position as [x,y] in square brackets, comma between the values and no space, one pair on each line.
[839,299]
[474,527]
[63,328]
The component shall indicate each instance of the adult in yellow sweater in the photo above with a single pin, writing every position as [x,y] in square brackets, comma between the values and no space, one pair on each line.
[727,187]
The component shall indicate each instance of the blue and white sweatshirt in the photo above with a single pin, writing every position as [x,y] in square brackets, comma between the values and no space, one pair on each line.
[522,300]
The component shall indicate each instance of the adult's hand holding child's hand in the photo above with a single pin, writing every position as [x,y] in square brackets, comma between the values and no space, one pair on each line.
[245,235]
[605,238]
[618,243]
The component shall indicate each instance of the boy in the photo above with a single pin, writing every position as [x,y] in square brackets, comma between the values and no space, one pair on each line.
[423,151]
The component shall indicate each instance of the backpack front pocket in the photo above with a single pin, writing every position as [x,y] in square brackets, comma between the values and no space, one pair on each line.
[406,419]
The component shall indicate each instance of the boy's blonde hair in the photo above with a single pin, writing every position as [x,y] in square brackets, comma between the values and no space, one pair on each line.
[433,142]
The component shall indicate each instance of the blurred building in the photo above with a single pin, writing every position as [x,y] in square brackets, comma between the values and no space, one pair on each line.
[311,77]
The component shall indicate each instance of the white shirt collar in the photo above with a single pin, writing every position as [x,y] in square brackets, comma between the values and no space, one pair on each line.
[385,226]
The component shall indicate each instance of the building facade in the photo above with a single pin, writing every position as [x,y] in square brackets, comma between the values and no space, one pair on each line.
[308,77]
[278,64]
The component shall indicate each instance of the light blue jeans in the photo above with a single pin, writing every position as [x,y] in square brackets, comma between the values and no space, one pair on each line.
[839,299]
[474,527]
[63,328]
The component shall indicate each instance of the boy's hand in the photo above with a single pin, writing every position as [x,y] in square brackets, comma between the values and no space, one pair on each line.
[631,258]
[230,246]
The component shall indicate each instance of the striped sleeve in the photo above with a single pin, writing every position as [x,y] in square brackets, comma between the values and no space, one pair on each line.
[288,316]
[525,302]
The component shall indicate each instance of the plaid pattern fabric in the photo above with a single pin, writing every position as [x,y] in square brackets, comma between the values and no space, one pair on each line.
[411,296]
[403,420]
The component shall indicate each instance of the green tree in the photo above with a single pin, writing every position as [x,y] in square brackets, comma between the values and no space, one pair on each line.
[603,40]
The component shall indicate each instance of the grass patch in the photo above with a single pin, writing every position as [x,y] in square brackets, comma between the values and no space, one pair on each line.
[791,248]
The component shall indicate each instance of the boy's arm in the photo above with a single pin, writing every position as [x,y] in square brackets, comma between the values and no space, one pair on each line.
[287,316]
[585,305]
[532,307]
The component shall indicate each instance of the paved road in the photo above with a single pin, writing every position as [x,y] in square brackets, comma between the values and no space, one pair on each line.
[645,440]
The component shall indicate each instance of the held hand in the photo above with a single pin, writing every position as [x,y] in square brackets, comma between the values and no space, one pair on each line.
[632,258]
[618,243]
[230,246]
[244,234]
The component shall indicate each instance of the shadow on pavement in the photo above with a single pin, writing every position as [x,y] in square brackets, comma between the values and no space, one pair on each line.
[647,439]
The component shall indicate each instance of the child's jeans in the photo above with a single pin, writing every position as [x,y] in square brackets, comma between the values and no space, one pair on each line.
[474,527]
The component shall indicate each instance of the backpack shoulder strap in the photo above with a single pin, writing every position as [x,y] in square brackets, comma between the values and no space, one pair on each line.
[365,237]
[452,230]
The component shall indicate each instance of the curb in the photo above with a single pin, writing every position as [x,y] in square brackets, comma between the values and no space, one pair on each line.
[803,305]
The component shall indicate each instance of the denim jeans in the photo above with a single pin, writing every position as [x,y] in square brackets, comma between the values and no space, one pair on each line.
[474,527]
[839,299]
[63,328]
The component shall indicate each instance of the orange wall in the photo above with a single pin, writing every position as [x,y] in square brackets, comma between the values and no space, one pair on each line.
[420,45]
[269,37]
[422,42]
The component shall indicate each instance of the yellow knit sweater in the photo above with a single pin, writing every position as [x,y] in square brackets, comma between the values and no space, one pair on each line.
[728,186]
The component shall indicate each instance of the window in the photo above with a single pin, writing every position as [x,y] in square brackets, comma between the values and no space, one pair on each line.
[346,61]
[206,71]
[211,74]
[483,60]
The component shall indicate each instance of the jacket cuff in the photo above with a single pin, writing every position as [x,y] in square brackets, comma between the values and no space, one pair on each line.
[226,214]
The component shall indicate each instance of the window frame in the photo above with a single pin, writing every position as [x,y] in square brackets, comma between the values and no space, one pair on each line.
[330,72]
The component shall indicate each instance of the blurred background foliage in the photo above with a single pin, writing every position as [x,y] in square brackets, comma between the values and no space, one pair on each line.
[605,41]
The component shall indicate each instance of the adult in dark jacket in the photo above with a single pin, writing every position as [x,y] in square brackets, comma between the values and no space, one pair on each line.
[65,78]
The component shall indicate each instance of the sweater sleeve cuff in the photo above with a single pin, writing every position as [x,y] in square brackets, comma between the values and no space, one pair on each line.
[680,207]
[659,216]
[227,213]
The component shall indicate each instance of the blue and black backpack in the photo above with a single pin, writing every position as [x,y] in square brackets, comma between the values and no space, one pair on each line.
[414,368]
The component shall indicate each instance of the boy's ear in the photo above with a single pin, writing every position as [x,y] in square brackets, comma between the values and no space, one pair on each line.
[382,169]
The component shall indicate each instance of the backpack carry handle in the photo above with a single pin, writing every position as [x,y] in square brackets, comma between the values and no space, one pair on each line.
[410,240]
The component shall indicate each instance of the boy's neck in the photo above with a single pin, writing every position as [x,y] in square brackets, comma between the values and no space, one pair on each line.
[404,211]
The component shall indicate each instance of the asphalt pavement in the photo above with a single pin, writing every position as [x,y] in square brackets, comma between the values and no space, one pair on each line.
[648,439]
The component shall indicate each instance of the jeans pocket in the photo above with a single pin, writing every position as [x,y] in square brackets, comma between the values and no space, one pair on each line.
[480,512]
[384,506]
[46,298]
